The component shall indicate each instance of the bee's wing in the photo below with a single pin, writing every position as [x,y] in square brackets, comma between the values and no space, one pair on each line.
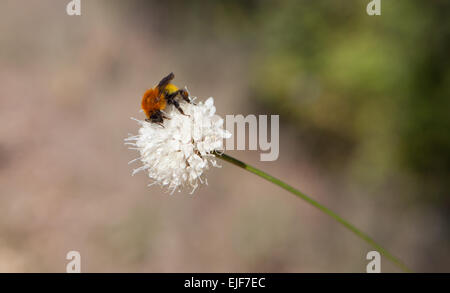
[165,81]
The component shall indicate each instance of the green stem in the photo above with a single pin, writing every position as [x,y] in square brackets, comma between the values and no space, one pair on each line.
[324,209]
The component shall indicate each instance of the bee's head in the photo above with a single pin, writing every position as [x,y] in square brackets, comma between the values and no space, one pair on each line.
[157,117]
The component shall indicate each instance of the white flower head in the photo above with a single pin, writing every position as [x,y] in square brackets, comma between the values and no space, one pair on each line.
[177,154]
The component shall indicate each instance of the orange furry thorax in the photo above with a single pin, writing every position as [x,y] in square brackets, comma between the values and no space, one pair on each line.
[152,101]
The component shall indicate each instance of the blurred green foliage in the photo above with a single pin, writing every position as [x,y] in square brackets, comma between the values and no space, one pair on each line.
[370,95]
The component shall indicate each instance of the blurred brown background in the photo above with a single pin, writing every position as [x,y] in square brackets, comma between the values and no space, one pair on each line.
[363,103]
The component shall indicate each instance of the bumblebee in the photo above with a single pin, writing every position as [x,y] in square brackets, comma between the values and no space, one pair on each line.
[156,99]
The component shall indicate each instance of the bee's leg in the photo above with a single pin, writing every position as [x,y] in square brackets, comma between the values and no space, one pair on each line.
[159,123]
[171,100]
[157,117]
[185,95]
[175,103]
